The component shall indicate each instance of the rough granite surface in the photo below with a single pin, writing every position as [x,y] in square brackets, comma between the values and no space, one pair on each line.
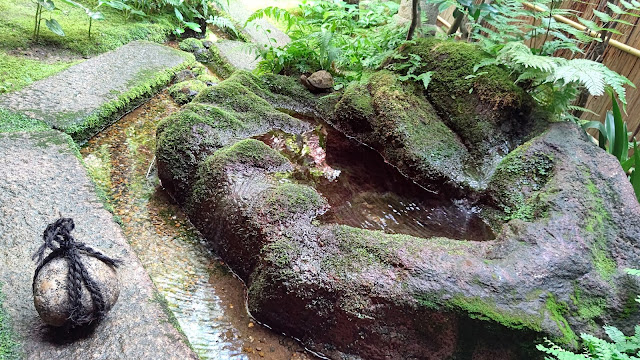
[68,97]
[241,10]
[43,179]
[238,54]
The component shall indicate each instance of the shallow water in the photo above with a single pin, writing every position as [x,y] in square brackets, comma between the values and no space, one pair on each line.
[366,192]
[208,301]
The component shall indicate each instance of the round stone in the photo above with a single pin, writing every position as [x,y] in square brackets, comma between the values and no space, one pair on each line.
[321,80]
[51,298]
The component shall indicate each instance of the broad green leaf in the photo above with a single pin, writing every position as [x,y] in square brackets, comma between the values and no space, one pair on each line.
[178,14]
[628,164]
[621,141]
[604,17]
[95,15]
[602,137]
[616,9]
[610,131]
[426,78]
[635,178]
[55,27]
[193,26]
[47,4]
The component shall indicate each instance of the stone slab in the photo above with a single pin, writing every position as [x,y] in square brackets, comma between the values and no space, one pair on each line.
[71,96]
[43,179]
[238,54]
[240,11]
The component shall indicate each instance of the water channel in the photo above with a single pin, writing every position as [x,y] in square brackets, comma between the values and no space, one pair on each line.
[207,299]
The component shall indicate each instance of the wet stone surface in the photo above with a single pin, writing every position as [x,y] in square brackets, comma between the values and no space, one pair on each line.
[42,180]
[207,299]
[366,192]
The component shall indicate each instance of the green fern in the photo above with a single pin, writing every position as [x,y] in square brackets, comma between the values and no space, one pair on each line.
[223,24]
[559,74]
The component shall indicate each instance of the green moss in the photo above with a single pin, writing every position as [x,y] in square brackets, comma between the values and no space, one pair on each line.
[191,44]
[472,104]
[180,92]
[483,309]
[18,72]
[596,224]
[376,111]
[588,308]
[280,252]
[289,201]
[171,318]
[218,64]
[146,84]
[558,310]
[99,168]
[518,181]
[250,152]
[9,348]
[231,95]
[15,122]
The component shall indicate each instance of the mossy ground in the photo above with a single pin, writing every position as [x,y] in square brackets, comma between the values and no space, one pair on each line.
[18,72]
[9,348]
[16,32]
[14,122]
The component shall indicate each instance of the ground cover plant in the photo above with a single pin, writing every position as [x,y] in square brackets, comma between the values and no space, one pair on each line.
[8,345]
[24,59]
[343,38]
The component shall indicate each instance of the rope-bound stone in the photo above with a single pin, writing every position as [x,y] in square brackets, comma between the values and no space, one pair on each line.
[87,269]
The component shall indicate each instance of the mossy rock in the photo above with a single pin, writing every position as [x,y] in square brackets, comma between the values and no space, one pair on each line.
[386,114]
[484,108]
[191,45]
[218,116]
[184,92]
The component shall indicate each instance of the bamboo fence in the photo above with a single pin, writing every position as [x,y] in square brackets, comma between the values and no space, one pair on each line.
[622,55]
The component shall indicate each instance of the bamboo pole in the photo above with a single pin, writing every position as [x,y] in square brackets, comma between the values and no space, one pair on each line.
[616,44]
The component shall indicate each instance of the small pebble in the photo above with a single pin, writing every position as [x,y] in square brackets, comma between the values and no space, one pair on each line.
[250,324]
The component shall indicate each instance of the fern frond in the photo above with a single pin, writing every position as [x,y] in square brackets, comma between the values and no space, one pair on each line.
[583,72]
[223,23]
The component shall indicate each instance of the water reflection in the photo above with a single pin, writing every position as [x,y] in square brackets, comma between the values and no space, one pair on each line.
[366,192]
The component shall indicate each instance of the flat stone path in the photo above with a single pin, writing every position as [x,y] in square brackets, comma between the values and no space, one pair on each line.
[235,52]
[69,97]
[41,180]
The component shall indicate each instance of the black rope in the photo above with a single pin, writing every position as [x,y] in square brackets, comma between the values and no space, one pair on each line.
[60,232]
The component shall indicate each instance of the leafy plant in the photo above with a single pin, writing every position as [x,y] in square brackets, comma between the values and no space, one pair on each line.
[613,136]
[332,35]
[409,64]
[553,81]
[52,23]
[621,347]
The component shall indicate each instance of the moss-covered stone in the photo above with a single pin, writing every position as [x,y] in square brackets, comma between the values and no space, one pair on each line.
[184,92]
[478,106]
[517,183]
[146,84]
[191,45]
[387,115]
[218,116]
[290,202]
[221,67]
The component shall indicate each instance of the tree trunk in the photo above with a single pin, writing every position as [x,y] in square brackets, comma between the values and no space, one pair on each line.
[415,18]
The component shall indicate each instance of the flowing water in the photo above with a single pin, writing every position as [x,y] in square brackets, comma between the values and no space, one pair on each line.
[366,192]
[208,301]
